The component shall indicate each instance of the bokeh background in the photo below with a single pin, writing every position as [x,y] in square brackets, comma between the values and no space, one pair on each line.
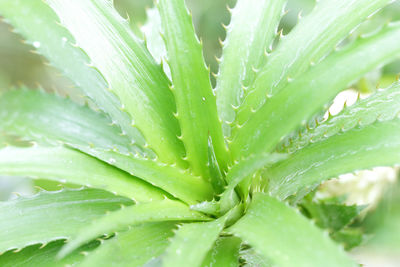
[377,189]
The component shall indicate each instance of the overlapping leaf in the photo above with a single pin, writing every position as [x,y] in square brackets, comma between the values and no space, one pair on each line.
[307,95]
[134,247]
[383,105]
[37,255]
[191,242]
[154,42]
[70,166]
[36,22]
[165,210]
[53,119]
[128,68]
[365,147]
[81,128]
[240,172]
[252,29]
[196,104]
[311,40]
[286,237]
[224,253]
[50,216]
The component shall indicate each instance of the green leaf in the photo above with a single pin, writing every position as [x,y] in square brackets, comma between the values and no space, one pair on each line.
[331,216]
[286,237]
[383,105]
[45,256]
[50,216]
[179,183]
[250,258]
[37,255]
[54,119]
[70,166]
[362,147]
[154,42]
[135,247]
[191,243]
[127,67]
[307,95]
[239,172]
[216,178]
[349,237]
[130,70]
[251,31]
[36,22]
[308,43]
[165,210]
[42,117]
[195,101]
[224,253]
[207,207]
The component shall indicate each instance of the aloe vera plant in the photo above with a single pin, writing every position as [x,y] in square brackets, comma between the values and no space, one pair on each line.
[174,172]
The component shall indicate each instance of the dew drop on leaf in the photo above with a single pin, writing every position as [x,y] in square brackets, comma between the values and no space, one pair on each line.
[36,44]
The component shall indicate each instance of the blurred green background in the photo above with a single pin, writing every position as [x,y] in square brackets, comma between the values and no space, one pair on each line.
[20,65]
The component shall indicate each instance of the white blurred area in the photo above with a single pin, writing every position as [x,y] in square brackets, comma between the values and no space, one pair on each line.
[12,187]
[362,188]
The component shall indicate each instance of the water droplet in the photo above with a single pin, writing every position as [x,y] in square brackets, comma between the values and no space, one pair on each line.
[36,44]
[111,161]
[204,99]
[64,40]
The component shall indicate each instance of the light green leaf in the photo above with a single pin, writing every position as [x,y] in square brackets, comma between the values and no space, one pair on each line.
[383,105]
[350,237]
[36,22]
[286,237]
[195,101]
[251,31]
[135,247]
[253,259]
[179,183]
[53,119]
[224,253]
[309,42]
[331,216]
[42,117]
[216,178]
[71,166]
[307,95]
[133,75]
[50,216]
[37,255]
[207,207]
[128,67]
[154,42]
[362,147]
[239,172]
[191,243]
[165,210]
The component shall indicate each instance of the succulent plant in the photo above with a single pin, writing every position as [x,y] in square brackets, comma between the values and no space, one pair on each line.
[174,172]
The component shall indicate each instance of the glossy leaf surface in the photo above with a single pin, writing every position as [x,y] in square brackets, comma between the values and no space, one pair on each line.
[70,166]
[286,237]
[196,104]
[52,215]
[358,148]
[165,210]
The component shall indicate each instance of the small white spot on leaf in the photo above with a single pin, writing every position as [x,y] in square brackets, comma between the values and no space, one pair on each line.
[36,44]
